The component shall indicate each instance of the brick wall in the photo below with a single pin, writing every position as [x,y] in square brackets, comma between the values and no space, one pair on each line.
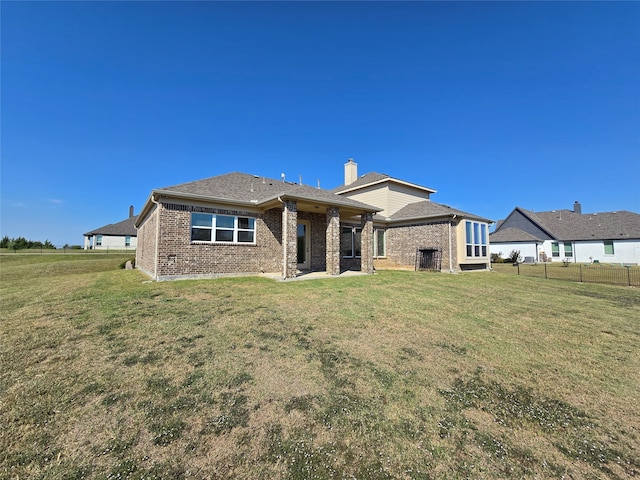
[403,241]
[146,250]
[179,257]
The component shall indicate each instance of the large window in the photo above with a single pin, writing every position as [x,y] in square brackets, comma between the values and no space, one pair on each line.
[608,247]
[350,242]
[476,239]
[127,241]
[98,240]
[206,227]
[379,246]
[555,249]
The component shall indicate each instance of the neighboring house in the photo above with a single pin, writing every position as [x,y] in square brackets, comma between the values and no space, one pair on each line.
[116,236]
[569,235]
[245,224]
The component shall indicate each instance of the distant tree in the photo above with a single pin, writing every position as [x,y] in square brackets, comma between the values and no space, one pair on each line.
[515,257]
[21,243]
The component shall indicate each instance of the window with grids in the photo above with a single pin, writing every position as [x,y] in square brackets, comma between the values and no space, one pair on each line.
[476,239]
[555,249]
[207,227]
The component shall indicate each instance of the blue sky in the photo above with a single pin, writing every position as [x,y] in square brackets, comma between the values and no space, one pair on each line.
[492,104]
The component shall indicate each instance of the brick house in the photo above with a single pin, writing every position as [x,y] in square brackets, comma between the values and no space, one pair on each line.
[245,224]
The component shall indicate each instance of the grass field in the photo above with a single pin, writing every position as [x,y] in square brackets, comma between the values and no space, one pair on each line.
[399,375]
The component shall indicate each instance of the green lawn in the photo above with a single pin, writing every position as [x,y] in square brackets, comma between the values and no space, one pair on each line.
[399,375]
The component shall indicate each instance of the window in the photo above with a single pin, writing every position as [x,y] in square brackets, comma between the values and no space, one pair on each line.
[206,227]
[127,241]
[98,240]
[476,239]
[568,250]
[608,247]
[555,249]
[350,242]
[379,247]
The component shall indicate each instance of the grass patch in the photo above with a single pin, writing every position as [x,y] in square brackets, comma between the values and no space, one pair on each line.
[399,375]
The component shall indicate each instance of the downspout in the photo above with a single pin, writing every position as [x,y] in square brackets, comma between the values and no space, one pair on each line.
[450,248]
[155,255]
[284,241]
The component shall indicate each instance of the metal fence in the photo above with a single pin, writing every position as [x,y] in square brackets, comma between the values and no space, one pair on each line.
[607,274]
[67,249]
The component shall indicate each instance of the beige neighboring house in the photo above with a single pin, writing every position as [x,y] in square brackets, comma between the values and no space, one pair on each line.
[115,236]
[239,223]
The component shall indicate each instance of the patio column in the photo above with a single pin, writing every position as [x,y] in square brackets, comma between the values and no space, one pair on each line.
[366,243]
[333,241]
[289,238]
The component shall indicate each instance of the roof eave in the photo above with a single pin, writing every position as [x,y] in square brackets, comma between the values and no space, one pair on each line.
[325,203]
[389,179]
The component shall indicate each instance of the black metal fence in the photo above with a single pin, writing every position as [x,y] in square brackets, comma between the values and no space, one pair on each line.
[607,274]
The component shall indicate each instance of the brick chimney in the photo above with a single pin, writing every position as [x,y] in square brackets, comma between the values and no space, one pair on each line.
[350,172]
[130,211]
[577,208]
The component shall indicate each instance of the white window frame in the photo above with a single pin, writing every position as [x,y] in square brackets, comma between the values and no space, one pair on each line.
[475,239]
[98,240]
[216,225]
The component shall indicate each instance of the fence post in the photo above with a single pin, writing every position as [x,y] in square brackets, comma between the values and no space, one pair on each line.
[580,272]
[518,265]
[545,271]
[628,276]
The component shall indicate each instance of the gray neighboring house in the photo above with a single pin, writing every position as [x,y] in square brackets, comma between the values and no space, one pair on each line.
[569,235]
[116,236]
[239,223]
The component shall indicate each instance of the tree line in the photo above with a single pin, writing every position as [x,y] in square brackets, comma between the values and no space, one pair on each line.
[21,243]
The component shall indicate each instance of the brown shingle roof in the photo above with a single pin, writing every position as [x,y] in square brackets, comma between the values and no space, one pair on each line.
[373,177]
[567,225]
[512,235]
[120,229]
[255,190]
[428,209]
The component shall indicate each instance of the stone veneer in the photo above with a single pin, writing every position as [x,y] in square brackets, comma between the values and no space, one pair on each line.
[332,241]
